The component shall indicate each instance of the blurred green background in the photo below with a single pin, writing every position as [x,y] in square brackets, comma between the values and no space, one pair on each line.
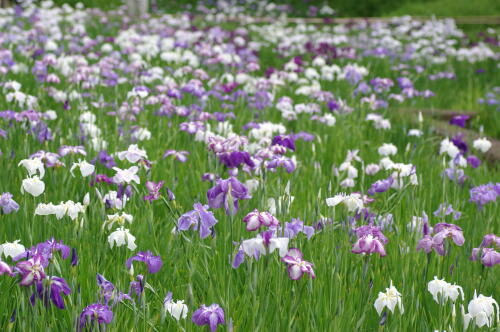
[347,8]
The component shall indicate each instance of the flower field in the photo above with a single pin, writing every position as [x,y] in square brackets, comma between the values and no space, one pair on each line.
[200,170]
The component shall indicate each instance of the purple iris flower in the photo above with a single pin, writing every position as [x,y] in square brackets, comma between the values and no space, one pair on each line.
[442,231]
[53,289]
[102,178]
[489,256]
[235,159]
[137,286]
[66,149]
[104,159]
[370,240]
[405,83]
[381,186]
[460,143]
[109,292]
[455,174]
[201,217]
[179,155]
[52,245]
[226,193]
[154,263]
[483,194]
[74,257]
[292,229]
[192,127]
[296,265]
[7,204]
[44,251]
[281,161]
[95,312]
[42,132]
[286,141]
[303,136]
[255,219]
[447,209]
[459,120]
[154,190]
[51,159]
[31,270]
[333,105]
[212,316]
[473,161]
[5,268]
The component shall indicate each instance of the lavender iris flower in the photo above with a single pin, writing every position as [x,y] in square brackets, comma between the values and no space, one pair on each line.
[7,204]
[456,174]
[489,256]
[154,190]
[370,240]
[292,229]
[95,312]
[226,193]
[446,210]
[154,263]
[178,155]
[66,149]
[441,231]
[296,265]
[483,194]
[255,219]
[212,316]
[109,292]
[381,186]
[284,162]
[444,231]
[5,268]
[201,217]
[137,286]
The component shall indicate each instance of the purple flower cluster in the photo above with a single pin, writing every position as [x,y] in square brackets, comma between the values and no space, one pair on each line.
[485,193]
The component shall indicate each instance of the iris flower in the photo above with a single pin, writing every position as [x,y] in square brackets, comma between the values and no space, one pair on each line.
[370,240]
[296,265]
[199,217]
[154,263]
[95,312]
[178,155]
[255,219]
[53,289]
[212,316]
[31,270]
[7,204]
[389,299]
[226,193]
